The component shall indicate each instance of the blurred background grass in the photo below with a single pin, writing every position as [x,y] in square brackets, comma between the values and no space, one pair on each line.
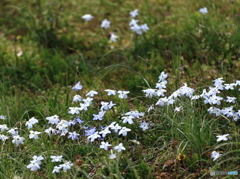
[58,47]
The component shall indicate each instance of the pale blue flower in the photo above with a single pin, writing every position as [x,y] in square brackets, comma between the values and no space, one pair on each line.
[77,86]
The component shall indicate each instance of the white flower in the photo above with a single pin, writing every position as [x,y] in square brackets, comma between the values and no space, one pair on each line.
[113,37]
[230,99]
[144,125]
[77,86]
[203,10]
[162,76]
[149,92]
[63,127]
[87,101]
[56,158]
[113,155]
[53,119]
[128,119]
[50,131]
[215,155]
[135,142]
[93,136]
[92,93]
[135,114]
[123,94]
[133,22]
[38,158]
[20,52]
[57,169]
[77,98]
[177,109]
[222,137]
[134,13]
[3,117]
[107,105]
[74,110]
[18,140]
[31,122]
[137,29]
[119,147]
[66,166]
[34,165]
[144,27]
[110,92]
[124,131]
[105,145]
[13,131]
[3,138]
[87,17]
[34,134]
[3,127]
[83,106]
[115,128]
[105,24]
[105,132]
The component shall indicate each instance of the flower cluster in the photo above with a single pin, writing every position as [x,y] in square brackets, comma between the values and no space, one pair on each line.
[108,137]
[133,25]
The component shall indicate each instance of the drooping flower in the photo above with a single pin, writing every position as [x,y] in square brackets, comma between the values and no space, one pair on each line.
[113,155]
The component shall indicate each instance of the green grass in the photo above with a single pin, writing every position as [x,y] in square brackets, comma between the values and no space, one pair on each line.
[46,47]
